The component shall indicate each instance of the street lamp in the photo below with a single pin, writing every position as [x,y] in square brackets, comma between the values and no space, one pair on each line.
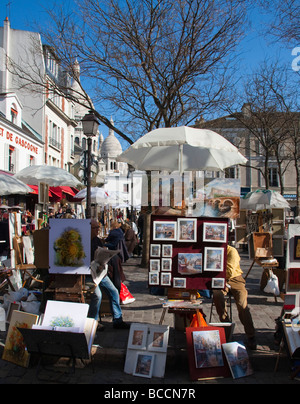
[90,128]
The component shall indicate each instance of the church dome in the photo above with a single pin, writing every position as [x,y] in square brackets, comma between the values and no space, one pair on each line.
[111,147]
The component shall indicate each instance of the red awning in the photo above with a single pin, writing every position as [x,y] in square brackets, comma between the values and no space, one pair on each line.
[68,190]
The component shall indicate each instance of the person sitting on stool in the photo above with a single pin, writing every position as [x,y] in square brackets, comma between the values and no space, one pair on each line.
[236,284]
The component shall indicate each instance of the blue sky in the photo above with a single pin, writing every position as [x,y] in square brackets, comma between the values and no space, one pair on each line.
[254,48]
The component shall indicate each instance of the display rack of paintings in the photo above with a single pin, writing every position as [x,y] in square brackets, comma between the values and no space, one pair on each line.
[188,253]
[147,350]
[292,297]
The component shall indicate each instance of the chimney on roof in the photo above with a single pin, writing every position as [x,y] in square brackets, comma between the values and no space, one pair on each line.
[246,109]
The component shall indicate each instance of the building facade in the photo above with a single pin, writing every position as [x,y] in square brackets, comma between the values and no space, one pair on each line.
[235,128]
[46,120]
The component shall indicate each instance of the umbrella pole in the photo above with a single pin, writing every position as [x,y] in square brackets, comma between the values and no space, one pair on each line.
[180,158]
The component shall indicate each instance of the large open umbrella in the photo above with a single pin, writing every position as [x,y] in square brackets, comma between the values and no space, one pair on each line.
[101,196]
[10,185]
[98,195]
[182,149]
[53,176]
[263,199]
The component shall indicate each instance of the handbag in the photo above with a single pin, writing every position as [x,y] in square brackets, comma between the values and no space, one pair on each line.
[272,285]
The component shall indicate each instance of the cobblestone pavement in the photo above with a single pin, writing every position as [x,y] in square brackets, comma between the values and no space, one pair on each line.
[110,345]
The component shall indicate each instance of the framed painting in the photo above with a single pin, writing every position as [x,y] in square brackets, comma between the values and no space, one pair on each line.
[155,250]
[154,265]
[70,246]
[218,283]
[213,259]
[144,364]
[206,359]
[138,336]
[294,278]
[215,232]
[164,230]
[154,278]
[165,278]
[187,230]
[167,250]
[179,283]
[158,338]
[190,263]
[166,264]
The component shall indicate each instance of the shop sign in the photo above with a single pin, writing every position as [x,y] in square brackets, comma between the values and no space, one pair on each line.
[18,140]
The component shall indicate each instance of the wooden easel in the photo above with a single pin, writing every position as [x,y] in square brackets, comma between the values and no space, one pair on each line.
[263,250]
[67,288]
[19,264]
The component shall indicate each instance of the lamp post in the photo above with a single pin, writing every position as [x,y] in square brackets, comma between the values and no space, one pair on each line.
[90,128]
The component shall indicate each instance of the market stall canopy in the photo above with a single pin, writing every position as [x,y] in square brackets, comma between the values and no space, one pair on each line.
[53,176]
[182,149]
[10,185]
[263,199]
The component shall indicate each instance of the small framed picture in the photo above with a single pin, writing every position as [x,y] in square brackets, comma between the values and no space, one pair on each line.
[154,278]
[218,283]
[154,265]
[158,338]
[179,283]
[165,278]
[166,264]
[187,230]
[138,336]
[155,250]
[215,232]
[213,259]
[144,363]
[167,250]
[165,230]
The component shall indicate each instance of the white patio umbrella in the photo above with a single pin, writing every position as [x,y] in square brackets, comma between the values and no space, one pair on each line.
[101,196]
[98,195]
[182,149]
[53,176]
[10,185]
[263,199]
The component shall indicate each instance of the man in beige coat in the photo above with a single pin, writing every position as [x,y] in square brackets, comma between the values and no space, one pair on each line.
[235,283]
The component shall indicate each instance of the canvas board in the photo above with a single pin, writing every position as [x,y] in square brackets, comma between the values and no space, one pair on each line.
[70,246]
[238,359]
[15,349]
[65,314]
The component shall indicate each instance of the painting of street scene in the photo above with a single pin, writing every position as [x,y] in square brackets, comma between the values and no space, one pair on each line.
[213,259]
[190,263]
[187,230]
[216,232]
[164,231]
[207,349]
